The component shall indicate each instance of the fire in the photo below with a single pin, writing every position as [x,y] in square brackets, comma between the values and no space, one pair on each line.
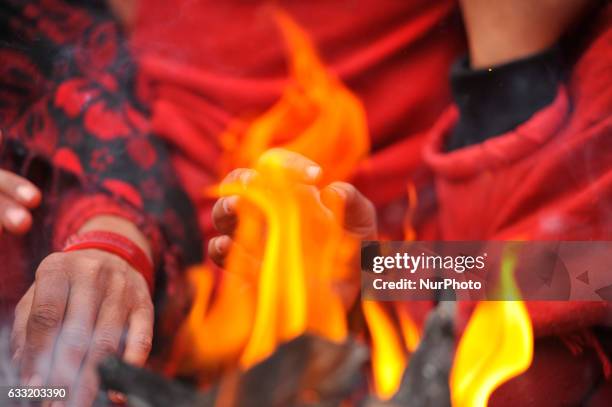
[316,116]
[300,272]
[389,357]
[409,231]
[410,331]
[497,345]
[394,334]
[292,268]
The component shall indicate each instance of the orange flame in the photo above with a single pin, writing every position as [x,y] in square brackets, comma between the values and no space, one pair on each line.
[392,344]
[410,331]
[316,116]
[299,275]
[409,231]
[290,268]
[497,345]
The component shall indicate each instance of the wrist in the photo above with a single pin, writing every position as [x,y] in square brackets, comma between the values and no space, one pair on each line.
[115,244]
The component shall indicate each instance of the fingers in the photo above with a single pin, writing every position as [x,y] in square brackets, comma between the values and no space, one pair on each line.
[18,333]
[19,189]
[224,210]
[218,249]
[14,217]
[46,315]
[359,212]
[224,214]
[16,196]
[106,339]
[297,166]
[243,176]
[79,307]
[139,338]
[77,330]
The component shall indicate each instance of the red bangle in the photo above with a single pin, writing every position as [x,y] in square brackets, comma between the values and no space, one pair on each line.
[116,244]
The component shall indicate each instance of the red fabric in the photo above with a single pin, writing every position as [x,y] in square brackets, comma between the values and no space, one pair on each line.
[548,179]
[214,61]
[13,281]
[77,208]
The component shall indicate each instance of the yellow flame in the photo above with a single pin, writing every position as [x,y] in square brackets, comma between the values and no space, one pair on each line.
[392,344]
[296,285]
[388,351]
[497,345]
[289,270]
[410,331]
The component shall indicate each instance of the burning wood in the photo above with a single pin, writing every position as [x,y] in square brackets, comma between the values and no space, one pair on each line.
[425,381]
[306,371]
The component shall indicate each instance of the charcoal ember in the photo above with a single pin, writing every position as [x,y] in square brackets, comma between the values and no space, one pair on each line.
[335,370]
[307,371]
[147,389]
[425,381]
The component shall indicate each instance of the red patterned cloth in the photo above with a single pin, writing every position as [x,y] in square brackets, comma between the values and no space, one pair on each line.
[73,126]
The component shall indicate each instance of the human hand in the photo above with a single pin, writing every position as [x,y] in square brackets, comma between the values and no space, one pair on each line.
[77,312]
[359,212]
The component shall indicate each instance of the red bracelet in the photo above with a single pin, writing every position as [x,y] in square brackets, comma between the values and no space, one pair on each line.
[116,244]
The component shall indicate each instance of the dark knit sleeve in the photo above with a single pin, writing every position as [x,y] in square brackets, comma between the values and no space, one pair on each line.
[494,100]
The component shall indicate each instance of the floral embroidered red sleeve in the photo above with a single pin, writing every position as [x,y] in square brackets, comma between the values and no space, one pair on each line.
[67,98]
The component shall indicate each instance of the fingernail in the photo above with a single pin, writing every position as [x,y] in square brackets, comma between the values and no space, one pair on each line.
[313,172]
[229,204]
[221,244]
[57,404]
[35,381]
[16,216]
[26,193]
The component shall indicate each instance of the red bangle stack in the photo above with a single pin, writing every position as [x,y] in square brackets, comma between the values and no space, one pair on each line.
[116,244]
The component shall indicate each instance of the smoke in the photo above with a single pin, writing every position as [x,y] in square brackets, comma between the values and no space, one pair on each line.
[9,375]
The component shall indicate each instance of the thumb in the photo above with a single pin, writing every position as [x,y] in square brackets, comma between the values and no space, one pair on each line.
[359,212]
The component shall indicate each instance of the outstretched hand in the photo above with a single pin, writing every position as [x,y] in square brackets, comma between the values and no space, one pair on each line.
[359,213]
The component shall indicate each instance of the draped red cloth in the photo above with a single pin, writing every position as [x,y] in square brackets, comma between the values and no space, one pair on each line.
[548,179]
[212,62]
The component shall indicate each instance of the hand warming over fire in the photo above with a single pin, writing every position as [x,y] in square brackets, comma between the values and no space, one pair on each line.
[359,213]
[84,304]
